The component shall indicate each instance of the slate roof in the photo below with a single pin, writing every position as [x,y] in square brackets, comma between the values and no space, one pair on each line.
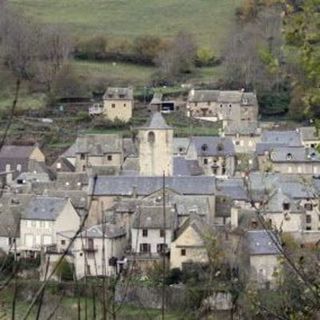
[16,152]
[131,164]
[260,242]
[180,145]
[151,217]
[275,202]
[196,223]
[156,122]
[308,133]
[31,177]
[186,205]
[107,230]
[294,154]
[245,128]
[118,94]
[213,146]
[223,206]
[244,98]
[78,198]
[123,185]
[285,138]
[44,208]
[233,188]
[129,147]
[184,167]
[99,144]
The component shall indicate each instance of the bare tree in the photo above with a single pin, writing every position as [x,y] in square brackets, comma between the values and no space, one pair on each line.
[178,58]
[54,49]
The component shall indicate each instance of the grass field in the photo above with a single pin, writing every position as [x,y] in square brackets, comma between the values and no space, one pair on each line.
[207,20]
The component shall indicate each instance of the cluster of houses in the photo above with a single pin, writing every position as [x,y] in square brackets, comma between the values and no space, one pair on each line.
[156,196]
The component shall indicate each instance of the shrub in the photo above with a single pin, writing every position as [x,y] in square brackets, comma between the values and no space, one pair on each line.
[65,271]
[205,57]
[91,48]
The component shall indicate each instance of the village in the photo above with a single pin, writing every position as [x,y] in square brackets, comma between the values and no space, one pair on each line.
[110,204]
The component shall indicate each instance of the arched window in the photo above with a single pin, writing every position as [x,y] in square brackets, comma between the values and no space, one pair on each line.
[151,137]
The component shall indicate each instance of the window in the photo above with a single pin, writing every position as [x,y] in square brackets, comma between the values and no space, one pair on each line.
[63,242]
[151,137]
[124,104]
[8,167]
[162,233]
[113,105]
[308,228]
[308,206]
[83,168]
[82,156]
[144,232]
[59,165]
[145,247]
[286,206]
[183,252]
[19,167]
[205,161]
[209,103]
[161,247]
[308,218]
[33,224]
[109,158]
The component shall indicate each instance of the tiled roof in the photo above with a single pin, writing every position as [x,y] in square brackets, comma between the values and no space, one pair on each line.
[243,128]
[262,242]
[233,188]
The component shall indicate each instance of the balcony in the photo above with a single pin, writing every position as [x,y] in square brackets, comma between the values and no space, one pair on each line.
[95,109]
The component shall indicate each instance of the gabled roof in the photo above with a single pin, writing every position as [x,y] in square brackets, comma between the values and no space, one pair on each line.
[99,144]
[16,152]
[196,223]
[285,138]
[213,146]
[243,98]
[151,217]
[156,122]
[184,167]
[294,154]
[245,128]
[106,230]
[44,208]
[187,205]
[309,133]
[233,188]
[123,185]
[118,94]
[262,242]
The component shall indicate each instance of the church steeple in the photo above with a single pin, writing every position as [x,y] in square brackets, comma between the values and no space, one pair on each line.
[156,147]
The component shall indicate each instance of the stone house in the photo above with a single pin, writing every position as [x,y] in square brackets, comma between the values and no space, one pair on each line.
[309,136]
[151,232]
[96,250]
[17,159]
[294,160]
[262,248]
[189,244]
[42,218]
[107,190]
[93,150]
[156,147]
[214,105]
[244,135]
[118,104]
[215,155]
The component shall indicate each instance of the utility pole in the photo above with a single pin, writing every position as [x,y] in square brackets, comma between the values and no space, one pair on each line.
[164,247]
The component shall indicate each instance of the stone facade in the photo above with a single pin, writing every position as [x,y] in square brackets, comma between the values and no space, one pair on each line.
[156,148]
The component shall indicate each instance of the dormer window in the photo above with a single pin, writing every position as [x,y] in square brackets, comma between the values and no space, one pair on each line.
[220,147]
[289,156]
[82,156]
[204,147]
